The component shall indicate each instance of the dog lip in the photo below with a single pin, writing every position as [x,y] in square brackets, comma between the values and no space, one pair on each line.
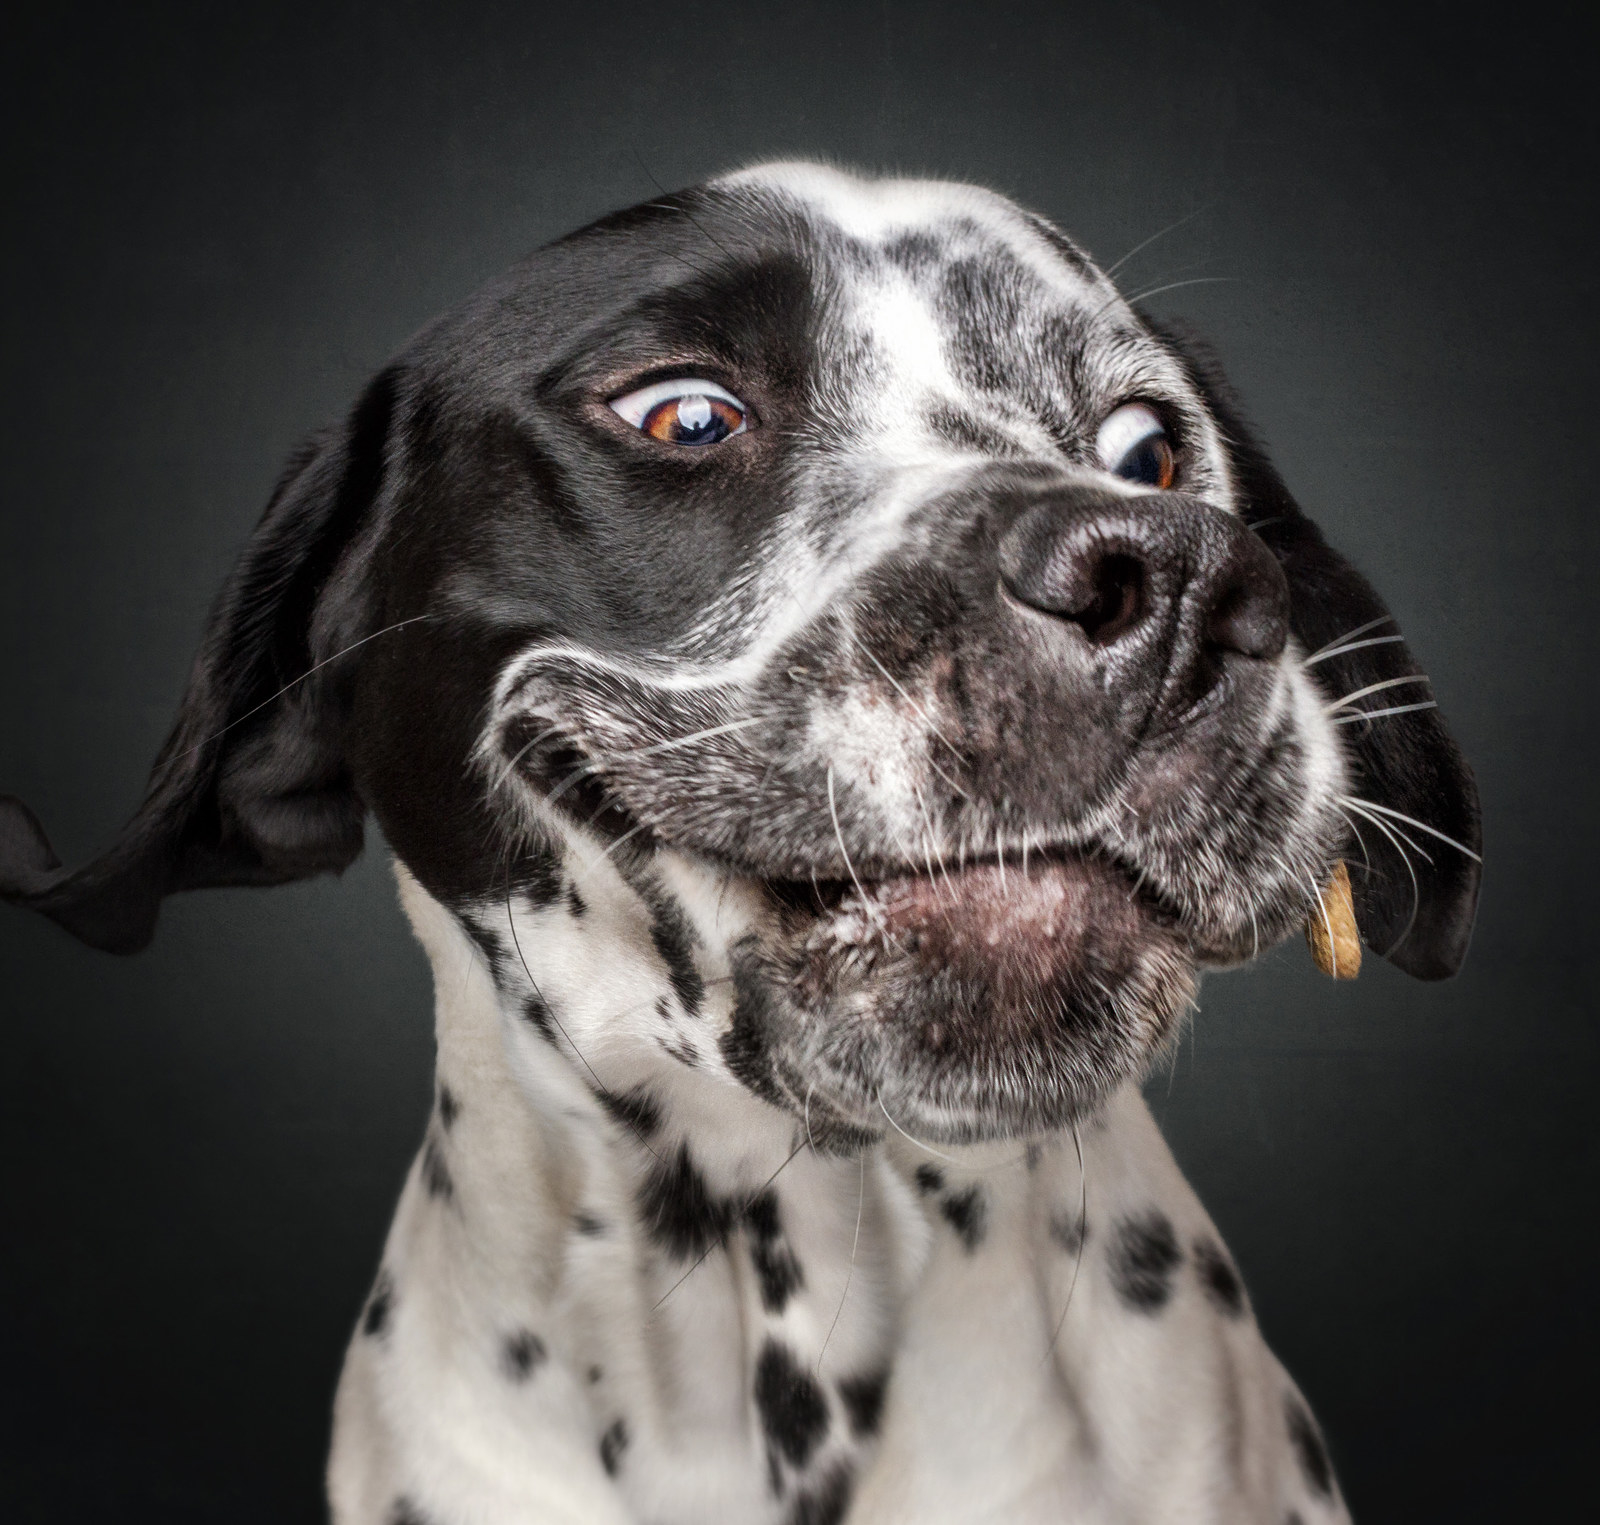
[826,898]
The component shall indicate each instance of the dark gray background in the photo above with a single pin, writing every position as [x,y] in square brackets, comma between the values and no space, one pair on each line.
[218,228]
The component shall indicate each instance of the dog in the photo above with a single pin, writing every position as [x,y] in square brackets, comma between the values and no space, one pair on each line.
[831,673]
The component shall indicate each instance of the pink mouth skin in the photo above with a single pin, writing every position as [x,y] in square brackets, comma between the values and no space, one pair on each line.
[1019,934]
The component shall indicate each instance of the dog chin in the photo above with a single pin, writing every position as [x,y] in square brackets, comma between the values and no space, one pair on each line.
[989,1002]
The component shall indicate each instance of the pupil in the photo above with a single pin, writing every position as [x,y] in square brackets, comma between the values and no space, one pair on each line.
[694,413]
[1144,463]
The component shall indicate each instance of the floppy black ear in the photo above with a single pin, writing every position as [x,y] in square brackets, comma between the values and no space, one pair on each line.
[1416,871]
[252,785]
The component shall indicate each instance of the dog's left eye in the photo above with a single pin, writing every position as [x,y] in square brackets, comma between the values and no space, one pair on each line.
[684,412]
[1133,444]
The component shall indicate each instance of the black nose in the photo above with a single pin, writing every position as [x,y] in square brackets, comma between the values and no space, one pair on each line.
[1150,564]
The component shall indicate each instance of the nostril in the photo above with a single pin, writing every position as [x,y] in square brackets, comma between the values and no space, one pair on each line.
[1250,615]
[1116,598]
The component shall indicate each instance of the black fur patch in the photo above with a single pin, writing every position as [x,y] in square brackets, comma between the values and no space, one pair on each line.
[612,1444]
[1068,1230]
[489,945]
[929,1178]
[679,1212]
[967,1212]
[863,1401]
[637,1110]
[587,1223]
[793,1411]
[405,1511]
[1218,1279]
[826,1503]
[449,1107]
[1309,1450]
[537,1014]
[436,1177]
[522,1354]
[596,1373]
[776,1268]
[576,904]
[674,940]
[380,1307]
[1144,1253]
[1033,1154]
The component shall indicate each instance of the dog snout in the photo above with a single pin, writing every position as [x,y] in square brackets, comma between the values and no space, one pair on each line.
[1160,566]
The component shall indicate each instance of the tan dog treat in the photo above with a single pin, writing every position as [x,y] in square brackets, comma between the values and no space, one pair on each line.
[1331,931]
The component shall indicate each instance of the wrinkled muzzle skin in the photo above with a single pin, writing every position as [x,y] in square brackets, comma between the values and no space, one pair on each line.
[942,748]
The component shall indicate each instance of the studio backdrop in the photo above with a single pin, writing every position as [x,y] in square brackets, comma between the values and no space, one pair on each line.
[222,221]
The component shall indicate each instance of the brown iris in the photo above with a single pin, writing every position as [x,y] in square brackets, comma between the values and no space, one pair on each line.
[693,419]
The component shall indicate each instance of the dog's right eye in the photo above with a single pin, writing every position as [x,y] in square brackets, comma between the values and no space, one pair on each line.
[687,411]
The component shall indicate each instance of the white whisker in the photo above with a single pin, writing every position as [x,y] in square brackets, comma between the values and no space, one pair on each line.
[1357,716]
[1411,820]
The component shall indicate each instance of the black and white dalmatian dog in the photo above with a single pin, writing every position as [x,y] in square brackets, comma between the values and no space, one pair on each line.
[831,673]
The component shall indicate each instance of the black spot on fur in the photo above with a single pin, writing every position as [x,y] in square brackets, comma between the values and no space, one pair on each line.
[674,940]
[793,1411]
[744,1046]
[637,1110]
[586,1223]
[1144,1254]
[678,1210]
[776,1268]
[863,1401]
[449,1107]
[1293,1518]
[576,904]
[522,1354]
[596,1373]
[682,1052]
[380,1307]
[1309,1450]
[612,1444]
[1068,1231]
[536,875]
[663,1010]
[537,1014]
[774,1471]
[405,1511]
[968,1214]
[929,1178]
[1218,1279]
[1033,1154]
[436,1177]
[826,1503]
[1064,246]
[490,946]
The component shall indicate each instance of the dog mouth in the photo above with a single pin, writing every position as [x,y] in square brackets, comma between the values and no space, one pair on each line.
[987,1000]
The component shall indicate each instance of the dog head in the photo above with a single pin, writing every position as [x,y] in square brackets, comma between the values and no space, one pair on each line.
[855,543]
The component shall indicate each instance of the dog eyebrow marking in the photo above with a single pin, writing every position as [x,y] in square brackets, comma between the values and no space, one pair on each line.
[1143,1255]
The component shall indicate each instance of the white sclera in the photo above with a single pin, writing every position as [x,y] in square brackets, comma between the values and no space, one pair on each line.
[695,413]
[1130,424]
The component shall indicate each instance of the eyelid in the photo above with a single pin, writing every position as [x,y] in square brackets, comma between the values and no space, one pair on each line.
[634,407]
